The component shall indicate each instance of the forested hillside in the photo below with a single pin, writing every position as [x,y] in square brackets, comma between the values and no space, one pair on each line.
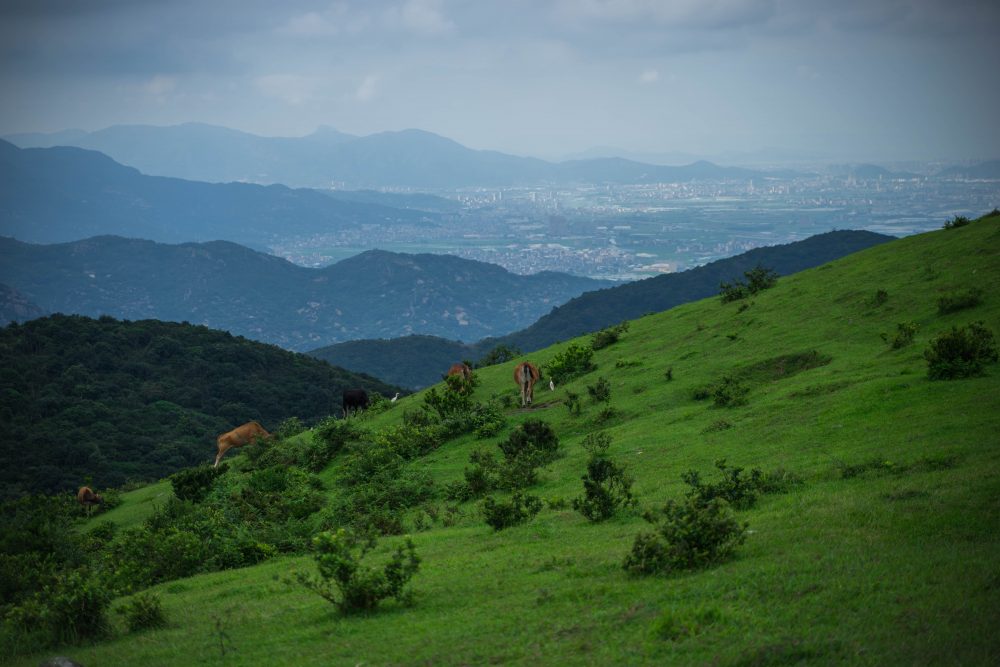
[227,286]
[415,361]
[108,401]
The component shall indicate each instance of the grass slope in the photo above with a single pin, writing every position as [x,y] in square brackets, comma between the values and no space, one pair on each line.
[893,566]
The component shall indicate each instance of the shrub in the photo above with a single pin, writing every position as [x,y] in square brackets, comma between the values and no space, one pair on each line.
[607,487]
[956,222]
[608,336]
[142,611]
[951,303]
[70,609]
[488,419]
[737,490]
[905,331]
[669,374]
[350,584]
[880,297]
[962,352]
[689,534]
[729,393]
[534,440]
[519,509]
[600,392]
[454,401]
[574,361]
[289,428]
[194,483]
[573,402]
[758,279]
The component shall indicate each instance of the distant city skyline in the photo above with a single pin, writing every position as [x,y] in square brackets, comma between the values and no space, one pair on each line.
[888,80]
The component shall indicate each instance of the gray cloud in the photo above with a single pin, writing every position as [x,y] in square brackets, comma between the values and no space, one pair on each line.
[524,76]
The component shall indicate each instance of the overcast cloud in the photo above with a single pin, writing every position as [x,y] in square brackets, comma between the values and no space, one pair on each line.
[852,79]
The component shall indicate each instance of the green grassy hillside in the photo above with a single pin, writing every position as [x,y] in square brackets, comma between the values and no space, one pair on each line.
[885,554]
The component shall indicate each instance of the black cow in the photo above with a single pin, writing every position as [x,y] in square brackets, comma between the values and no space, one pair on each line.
[354,400]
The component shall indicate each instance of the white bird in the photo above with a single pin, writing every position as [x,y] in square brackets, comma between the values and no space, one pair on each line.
[394,397]
[552,385]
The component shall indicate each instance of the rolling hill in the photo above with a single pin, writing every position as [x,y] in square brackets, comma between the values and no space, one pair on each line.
[227,286]
[879,547]
[114,401]
[416,361]
[66,194]
[407,158]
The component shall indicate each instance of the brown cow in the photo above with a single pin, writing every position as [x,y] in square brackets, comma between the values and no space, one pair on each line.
[86,497]
[239,436]
[460,369]
[526,375]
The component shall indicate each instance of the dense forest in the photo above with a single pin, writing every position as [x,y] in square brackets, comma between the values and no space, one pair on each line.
[105,401]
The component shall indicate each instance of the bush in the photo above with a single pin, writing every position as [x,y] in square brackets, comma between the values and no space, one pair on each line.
[194,483]
[687,535]
[758,279]
[72,608]
[956,222]
[488,419]
[880,297]
[143,611]
[606,486]
[347,582]
[519,509]
[962,352]
[533,440]
[289,428]
[573,402]
[455,400]
[905,331]
[729,393]
[574,361]
[608,336]
[600,392]
[951,303]
[737,490]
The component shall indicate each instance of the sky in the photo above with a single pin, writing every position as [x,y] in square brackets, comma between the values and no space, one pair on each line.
[886,80]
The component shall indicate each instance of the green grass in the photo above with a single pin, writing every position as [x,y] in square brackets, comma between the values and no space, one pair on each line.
[894,565]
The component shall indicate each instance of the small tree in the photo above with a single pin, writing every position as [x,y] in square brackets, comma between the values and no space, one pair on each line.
[956,222]
[575,360]
[607,487]
[519,509]
[351,585]
[758,279]
[962,352]
[498,355]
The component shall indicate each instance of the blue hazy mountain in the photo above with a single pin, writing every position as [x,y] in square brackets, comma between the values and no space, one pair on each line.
[328,158]
[64,193]
[223,285]
[988,171]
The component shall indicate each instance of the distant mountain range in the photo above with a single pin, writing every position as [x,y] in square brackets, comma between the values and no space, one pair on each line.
[988,170]
[416,361]
[328,158]
[63,194]
[227,286]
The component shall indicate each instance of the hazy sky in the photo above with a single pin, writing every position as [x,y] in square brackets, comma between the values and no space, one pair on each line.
[855,79]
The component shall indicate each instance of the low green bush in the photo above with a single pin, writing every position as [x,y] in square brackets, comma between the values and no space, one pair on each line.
[758,279]
[961,352]
[608,336]
[729,392]
[350,584]
[956,222]
[143,611]
[736,489]
[951,303]
[905,331]
[572,362]
[607,487]
[687,535]
[504,514]
[194,483]
[600,391]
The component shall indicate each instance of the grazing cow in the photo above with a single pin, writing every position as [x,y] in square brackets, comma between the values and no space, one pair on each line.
[86,497]
[354,400]
[239,436]
[526,375]
[460,369]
